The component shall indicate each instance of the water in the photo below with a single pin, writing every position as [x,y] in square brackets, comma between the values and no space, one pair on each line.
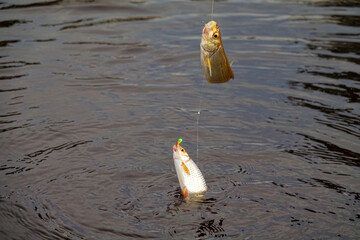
[95,93]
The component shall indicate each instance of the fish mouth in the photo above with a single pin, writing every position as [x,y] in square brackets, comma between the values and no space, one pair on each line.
[174,148]
[205,30]
[209,26]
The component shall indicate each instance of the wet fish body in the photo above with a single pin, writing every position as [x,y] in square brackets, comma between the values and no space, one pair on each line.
[214,62]
[192,182]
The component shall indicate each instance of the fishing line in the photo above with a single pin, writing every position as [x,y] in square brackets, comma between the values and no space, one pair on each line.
[197,122]
[200,101]
[212,9]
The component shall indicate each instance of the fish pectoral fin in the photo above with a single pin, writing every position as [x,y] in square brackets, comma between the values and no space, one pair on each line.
[185,168]
[208,63]
[231,62]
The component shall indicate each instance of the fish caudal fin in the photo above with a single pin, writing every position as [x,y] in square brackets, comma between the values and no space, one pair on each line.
[185,192]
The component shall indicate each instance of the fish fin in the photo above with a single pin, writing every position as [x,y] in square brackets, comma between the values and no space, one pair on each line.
[231,62]
[208,63]
[185,168]
[185,192]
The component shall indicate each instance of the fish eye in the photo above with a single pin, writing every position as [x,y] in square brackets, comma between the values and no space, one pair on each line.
[183,150]
[215,35]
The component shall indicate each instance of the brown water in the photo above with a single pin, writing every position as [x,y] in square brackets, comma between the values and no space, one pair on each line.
[95,93]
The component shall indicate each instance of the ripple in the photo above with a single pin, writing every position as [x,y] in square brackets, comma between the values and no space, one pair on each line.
[211,228]
[336,75]
[326,151]
[31,160]
[338,47]
[350,92]
[9,23]
[68,22]
[12,77]
[11,128]
[5,43]
[44,40]
[31,5]
[16,64]
[13,89]
[335,3]
[35,217]
[337,118]
[346,20]
[114,20]
[10,114]
[330,184]
[137,44]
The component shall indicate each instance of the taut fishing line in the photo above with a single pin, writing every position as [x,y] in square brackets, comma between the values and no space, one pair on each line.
[212,9]
[197,123]
[200,101]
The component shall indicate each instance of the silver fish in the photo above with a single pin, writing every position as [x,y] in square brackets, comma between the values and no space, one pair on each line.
[192,182]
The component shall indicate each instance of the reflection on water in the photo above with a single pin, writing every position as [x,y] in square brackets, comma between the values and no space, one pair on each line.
[93,93]
[211,228]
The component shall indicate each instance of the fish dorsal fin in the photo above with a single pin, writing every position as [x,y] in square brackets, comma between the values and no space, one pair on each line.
[185,168]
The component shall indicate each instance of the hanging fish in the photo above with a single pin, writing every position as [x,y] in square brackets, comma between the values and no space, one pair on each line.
[214,62]
[192,182]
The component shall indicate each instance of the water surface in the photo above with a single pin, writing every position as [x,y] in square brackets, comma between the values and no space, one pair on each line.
[95,93]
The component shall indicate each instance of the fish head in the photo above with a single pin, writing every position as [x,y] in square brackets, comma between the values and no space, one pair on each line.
[211,37]
[179,153]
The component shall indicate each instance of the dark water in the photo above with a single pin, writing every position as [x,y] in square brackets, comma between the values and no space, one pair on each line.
[95,93]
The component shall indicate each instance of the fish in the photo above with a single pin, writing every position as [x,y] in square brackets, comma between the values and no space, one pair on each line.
[214,62]
[192,182]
